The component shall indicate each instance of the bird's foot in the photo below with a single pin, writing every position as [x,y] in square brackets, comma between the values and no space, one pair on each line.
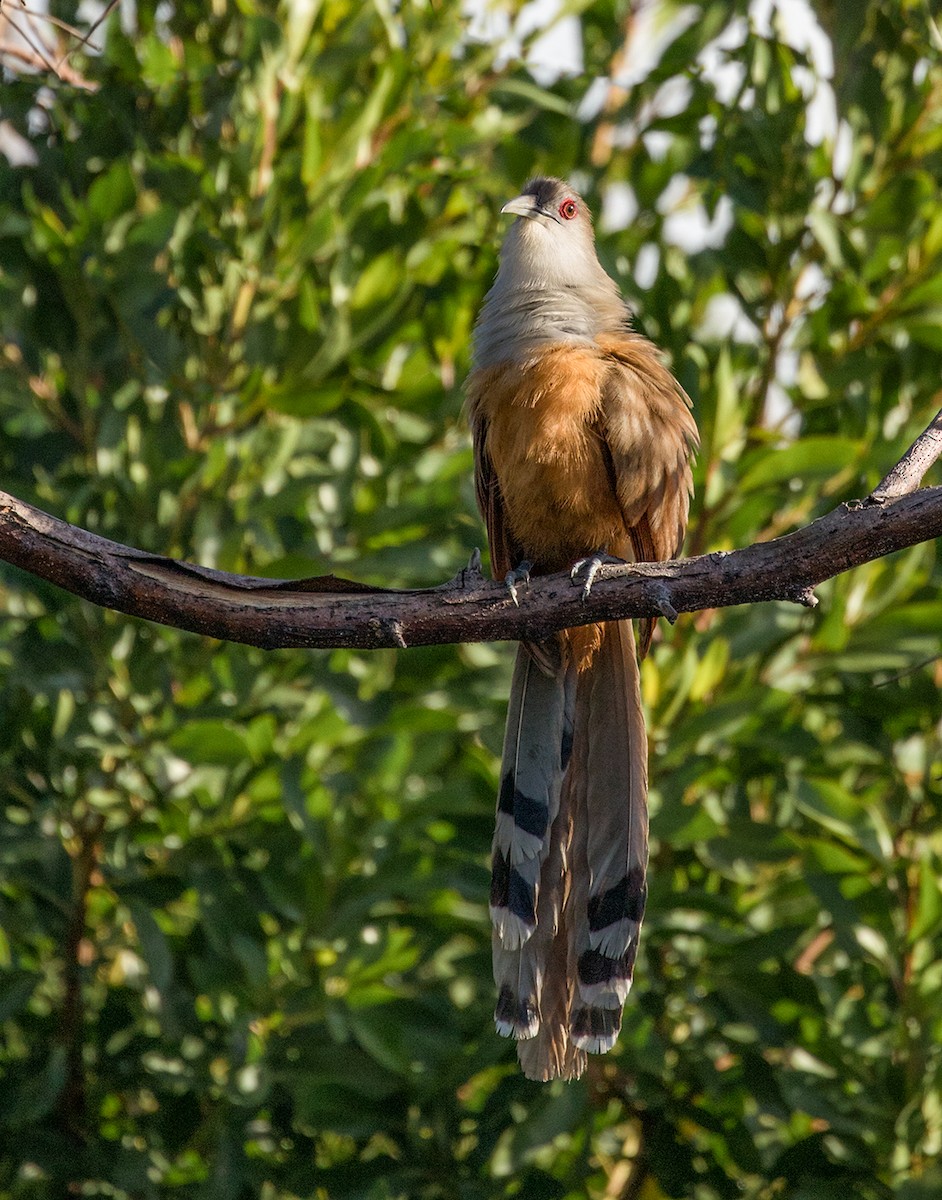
[589,567]
[520,574]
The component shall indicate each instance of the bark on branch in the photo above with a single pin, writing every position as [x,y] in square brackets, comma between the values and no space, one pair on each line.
[328,612]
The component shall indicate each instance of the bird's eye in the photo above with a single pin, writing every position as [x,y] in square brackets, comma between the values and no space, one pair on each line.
[568,209]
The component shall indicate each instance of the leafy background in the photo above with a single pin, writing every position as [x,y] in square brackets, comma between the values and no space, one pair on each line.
[244,947]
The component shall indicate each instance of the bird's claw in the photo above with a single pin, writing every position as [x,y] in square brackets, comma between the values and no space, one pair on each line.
[664,606]
[589,567]
[519,574]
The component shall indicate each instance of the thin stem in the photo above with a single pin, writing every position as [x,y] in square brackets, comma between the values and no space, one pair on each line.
[73,1100]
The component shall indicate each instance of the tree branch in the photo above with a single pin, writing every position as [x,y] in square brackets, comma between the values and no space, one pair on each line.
[326,611]
[909,472]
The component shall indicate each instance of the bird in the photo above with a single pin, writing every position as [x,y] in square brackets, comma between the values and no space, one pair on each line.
[583,443]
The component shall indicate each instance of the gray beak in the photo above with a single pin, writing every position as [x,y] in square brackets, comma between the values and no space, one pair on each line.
[524,206]
[520,206]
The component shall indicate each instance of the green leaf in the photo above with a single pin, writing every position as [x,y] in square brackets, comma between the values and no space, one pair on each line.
[809,458]
[154,949]
[210,741]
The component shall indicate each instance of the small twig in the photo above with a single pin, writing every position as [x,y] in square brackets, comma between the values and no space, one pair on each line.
[907,672]
[37,50]
[85,40]
[64,72]
[59,24]
[804,596]
[40,54]
[909,472]
[633,1186]
[72,1099]
[640,1170]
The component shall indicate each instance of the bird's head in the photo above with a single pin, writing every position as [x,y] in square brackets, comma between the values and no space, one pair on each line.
[552,242]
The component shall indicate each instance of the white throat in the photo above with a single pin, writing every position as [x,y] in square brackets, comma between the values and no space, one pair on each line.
[550,288]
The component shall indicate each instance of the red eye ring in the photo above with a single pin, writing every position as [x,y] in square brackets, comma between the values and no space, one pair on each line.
[568,209]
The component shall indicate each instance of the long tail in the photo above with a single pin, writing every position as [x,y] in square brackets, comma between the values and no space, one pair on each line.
[537,747]
[567,915]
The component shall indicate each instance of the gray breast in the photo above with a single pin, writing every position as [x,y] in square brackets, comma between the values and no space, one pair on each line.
[514,324]
[517,321]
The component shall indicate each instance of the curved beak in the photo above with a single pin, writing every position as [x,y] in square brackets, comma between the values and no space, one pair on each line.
[526,206]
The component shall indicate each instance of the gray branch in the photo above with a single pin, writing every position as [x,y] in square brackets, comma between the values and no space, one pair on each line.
[910,471]
[327,612]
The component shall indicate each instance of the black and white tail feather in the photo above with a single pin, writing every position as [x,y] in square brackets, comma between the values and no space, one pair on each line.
[570,854]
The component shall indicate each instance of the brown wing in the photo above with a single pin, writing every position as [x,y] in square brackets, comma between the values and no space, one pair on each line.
[506,553]
[491,502]
[651,436]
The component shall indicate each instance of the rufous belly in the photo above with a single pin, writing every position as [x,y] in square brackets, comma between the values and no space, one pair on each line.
[543,438]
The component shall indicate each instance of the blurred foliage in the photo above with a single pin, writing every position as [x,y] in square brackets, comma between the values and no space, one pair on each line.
[244,948]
